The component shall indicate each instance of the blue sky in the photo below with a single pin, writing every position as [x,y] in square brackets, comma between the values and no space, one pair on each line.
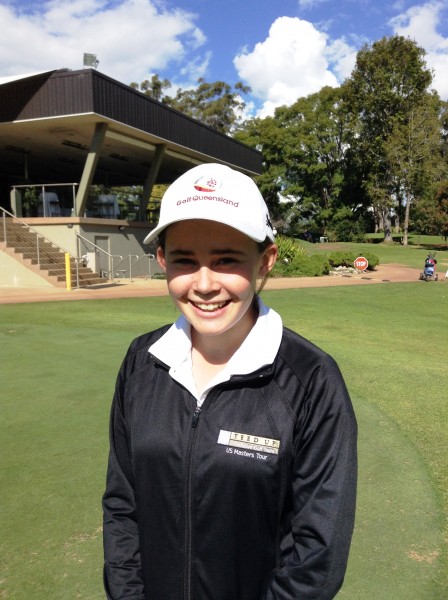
[282,49]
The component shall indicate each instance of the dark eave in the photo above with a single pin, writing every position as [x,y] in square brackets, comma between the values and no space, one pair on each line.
[47,122]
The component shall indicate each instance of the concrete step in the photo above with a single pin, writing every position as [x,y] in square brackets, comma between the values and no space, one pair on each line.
[22,244]
[30,251]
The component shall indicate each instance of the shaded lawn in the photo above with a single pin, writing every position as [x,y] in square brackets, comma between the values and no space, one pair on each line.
[59,364]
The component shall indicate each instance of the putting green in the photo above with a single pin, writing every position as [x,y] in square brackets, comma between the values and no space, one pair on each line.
[59,362]
[397,539]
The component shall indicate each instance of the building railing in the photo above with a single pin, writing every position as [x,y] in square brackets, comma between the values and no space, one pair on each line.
[103,261]
[127,272]
[88,254]
[49,200]
[39,241]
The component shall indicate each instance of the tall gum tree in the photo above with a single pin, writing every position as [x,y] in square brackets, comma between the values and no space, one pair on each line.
[389,81]
[315,156]
[304,149]
[413,151]
[216,104]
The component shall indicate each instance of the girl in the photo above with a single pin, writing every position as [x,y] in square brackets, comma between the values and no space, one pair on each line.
[232,467]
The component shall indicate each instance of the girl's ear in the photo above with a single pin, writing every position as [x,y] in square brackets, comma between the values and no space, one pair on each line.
[268,260]
[267,263]
[161,258]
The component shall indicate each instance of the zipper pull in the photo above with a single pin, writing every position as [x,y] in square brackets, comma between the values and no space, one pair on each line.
[195,418]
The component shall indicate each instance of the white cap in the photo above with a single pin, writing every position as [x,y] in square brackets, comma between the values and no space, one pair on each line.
[216,192]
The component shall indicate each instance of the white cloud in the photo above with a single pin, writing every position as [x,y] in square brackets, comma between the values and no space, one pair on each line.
[420,24]
[294,61]
[342,58]
[131,38]
[308,4]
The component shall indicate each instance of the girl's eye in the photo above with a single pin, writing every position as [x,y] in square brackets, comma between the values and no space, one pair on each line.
[226,260]
[183,262]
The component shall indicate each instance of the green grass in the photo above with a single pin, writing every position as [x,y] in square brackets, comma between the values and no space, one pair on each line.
[411,256]
[59,362]
[413,239]
[391,342]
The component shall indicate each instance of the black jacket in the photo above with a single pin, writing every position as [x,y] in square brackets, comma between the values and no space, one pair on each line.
[265,514]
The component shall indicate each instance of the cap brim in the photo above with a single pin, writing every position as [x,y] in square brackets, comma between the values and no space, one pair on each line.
[154,233]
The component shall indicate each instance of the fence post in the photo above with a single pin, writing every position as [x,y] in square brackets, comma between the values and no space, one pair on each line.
[68,272]
[150,257]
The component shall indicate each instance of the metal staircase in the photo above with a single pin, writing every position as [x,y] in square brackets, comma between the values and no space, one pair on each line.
[41,255]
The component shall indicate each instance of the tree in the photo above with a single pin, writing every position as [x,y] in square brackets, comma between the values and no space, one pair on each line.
[444,129]
[214,104]
[153,87]
[389,81]
[267,136]
[441,212]
[315,158]
[304,147]
[413,152]
[429,218]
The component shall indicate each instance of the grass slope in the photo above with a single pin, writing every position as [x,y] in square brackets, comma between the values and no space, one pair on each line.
[59,363]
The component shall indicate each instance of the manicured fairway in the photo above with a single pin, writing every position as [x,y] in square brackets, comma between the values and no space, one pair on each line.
[59,361]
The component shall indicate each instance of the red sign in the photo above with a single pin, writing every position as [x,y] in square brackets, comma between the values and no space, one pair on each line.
[361,263]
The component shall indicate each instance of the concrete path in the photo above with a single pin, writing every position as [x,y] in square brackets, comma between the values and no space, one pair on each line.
[156,287]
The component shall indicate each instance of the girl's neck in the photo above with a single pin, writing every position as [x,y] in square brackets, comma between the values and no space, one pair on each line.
[218,349]
[210,354]
[203,370]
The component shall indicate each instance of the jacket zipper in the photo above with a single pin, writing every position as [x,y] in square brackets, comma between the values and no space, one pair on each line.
[188,496]
[195,418]
[188,506]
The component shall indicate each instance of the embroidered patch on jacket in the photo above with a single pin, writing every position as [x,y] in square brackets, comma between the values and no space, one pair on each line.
[249,442]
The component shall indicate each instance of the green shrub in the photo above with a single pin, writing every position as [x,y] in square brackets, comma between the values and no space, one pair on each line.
[295,261]
[373,259]
[288,248]
[347,258]
[341,259]
[302,265]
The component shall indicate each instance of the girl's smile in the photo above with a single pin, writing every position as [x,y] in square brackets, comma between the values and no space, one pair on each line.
[211,307]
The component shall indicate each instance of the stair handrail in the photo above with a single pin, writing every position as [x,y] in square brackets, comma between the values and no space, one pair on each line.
[131,264]
[77,259]
[34,231]
[150,257]
[108,254]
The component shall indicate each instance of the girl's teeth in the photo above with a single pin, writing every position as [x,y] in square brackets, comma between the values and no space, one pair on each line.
[209,307]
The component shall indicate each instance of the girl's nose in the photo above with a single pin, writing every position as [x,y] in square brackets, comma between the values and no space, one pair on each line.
[204,281]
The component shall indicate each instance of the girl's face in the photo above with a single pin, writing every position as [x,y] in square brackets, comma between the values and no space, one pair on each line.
[212,272]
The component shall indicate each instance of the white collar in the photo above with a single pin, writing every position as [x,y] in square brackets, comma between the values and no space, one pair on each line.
[258,349]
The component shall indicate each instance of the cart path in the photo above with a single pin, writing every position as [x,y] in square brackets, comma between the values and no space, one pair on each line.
[388,273]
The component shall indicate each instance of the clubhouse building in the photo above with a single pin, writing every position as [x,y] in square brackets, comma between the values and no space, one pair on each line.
[64,131]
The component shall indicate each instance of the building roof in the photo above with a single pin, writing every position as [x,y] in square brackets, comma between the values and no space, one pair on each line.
[48,120]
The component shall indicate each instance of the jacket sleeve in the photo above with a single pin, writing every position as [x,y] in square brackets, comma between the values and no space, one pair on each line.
[323,492]
[122,567]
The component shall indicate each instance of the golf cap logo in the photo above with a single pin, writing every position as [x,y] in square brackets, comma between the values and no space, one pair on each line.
[207,184]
